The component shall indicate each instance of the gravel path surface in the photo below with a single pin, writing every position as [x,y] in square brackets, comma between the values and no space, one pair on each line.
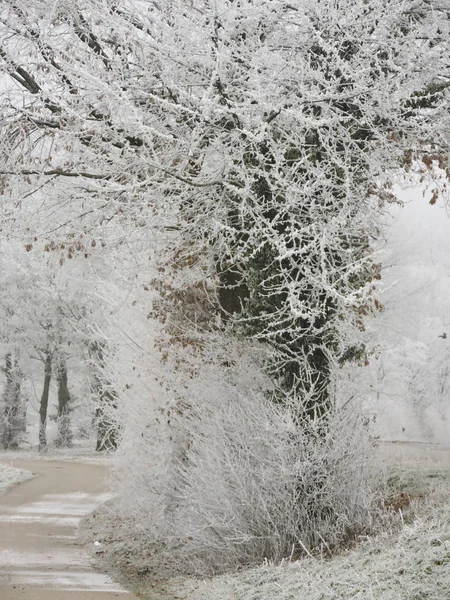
[40,558]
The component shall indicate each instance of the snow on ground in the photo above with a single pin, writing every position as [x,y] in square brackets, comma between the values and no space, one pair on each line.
[9,476]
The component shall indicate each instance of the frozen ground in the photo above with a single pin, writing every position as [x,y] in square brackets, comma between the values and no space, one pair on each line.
[411,565]
[9,476]
[410,560]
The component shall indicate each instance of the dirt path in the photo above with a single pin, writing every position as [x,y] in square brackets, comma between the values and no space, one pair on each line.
[40,558]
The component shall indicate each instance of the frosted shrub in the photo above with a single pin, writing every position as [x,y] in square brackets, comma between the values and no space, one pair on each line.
[225,477]
[158,413]
[255,486]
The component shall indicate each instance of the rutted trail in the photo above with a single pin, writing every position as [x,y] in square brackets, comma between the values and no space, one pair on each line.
[40,558]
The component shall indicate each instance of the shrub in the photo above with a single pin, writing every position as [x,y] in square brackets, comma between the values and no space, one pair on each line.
[233,479]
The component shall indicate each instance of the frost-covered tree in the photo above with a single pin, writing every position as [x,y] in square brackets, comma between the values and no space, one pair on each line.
[32,324]
[257,135]
[12,407]
[20,314]
[246,148]
[48,315]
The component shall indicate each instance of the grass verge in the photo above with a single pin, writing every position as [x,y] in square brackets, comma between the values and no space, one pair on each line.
[10,476]
[409,560]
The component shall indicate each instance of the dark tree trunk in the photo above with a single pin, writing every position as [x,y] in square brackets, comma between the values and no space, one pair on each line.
[65,436]
[44,403]
[12,425]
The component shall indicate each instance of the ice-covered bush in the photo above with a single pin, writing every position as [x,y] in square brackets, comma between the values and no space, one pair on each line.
[229,478]
[255,486]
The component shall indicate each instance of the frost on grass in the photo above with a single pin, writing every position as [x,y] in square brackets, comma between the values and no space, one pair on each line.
[411,565]
[9,476]
[409,559]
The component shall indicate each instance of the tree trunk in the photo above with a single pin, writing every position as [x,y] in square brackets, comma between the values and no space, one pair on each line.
[106,427]
[12,426]
[44,403]
[106,404]
[65,436]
